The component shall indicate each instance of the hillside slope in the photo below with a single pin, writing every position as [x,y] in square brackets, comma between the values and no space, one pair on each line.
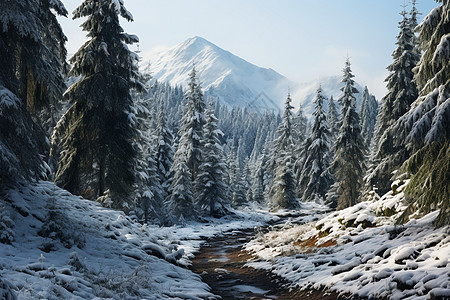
[54,245]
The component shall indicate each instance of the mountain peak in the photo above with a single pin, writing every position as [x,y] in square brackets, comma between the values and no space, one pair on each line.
[196,41]
[222,74]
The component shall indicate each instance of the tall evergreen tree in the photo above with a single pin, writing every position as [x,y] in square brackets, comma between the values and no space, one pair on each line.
[148,190]
[368,114]
[164,150]
[258,179]
[188,156]
[210,180]
[230,179]
[413,13]
[426,127]
[349,147]
[299,125]
[315,178]
[181,199]
[402,92]
[192,122]
[239,196]
[283,186]
[31,53]
[95,134]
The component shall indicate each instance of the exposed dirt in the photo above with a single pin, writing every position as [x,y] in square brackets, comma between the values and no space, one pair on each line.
[310,245]
[221,262]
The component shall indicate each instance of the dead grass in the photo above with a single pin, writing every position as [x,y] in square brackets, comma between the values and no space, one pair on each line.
[310,244]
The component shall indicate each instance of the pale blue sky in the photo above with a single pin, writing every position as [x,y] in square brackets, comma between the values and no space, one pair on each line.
[300,39]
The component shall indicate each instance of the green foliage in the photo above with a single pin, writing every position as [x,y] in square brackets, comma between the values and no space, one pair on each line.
[94,137]
[349,148]
[429,188]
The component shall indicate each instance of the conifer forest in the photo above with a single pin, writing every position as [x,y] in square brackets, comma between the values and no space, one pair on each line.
[183,177]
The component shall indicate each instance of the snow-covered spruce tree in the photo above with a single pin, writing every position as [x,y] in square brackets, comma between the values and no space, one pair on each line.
[164,149]
[180,201]
[413,13]
[95,134]
[21,142]
[258,178]
[212,170]
[315,178]
[368,115]
[188,155]
[402,91]
[191,127]
[349,149]
[299,126]
[32,51]
[300,133]
[333,118]
[247,171]
[283,188]
[239,196]
[147,189]
[230,179]
[427,125]
[30,77]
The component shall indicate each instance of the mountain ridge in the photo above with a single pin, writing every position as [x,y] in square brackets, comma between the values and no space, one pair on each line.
[234,81]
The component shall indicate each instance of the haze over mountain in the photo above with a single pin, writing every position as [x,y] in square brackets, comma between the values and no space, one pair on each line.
[232,80]
[305,93]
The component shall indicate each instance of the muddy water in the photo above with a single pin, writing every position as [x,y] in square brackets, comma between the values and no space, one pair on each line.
[221,262]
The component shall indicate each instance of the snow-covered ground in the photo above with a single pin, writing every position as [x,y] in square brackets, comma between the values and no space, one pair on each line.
[360,251]
[66,247]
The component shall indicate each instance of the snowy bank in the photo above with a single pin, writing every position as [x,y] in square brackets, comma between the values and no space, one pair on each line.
[360,251]
[60,246]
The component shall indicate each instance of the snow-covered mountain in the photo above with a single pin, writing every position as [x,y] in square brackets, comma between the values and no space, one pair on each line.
[234,81]
[222,74]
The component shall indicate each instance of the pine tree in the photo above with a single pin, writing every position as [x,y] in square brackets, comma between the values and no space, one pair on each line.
[164,150]
[210,180]
[368,113]
[426,127]
[148,190]
[284,186]
[31,53]
[299,125]
[315,178]
[349,148]
[282,190]
[191,131]
[333,118]
[231,179]
[402,92]
[181,199]
[247,171]
[21,142]
[413,24]
[95,134]
[239,196]
[188,156]
[258,179]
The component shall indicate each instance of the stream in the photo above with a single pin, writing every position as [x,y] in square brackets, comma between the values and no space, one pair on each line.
[221,262]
